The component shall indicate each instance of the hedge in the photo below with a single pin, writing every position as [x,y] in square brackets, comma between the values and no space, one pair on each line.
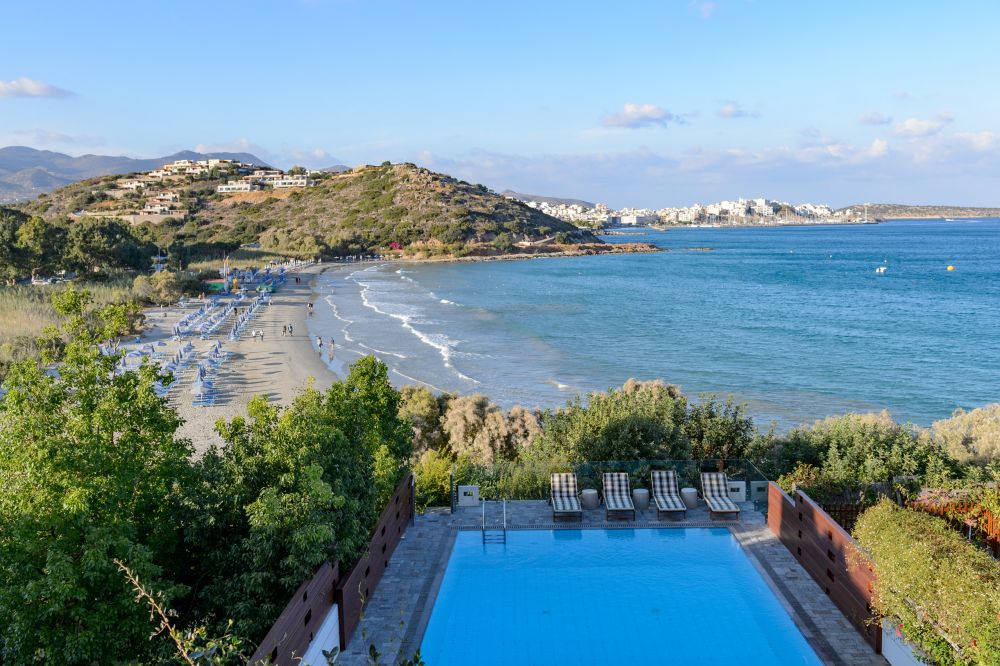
[944,591]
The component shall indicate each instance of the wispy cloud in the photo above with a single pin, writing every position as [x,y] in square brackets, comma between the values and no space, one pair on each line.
[920,127]
[44,137]
[874,118]
[943,167]
[733,109]
[25,87]
[705,9]
[635,116]
[901,94]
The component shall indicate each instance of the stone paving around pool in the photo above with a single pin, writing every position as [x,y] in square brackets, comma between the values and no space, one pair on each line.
[400,607]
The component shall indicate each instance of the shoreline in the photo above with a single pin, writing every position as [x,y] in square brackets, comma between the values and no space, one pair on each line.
[276,367]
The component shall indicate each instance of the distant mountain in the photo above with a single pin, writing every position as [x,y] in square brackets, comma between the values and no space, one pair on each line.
[550,200]
[26,172]
[336,168]
[904,211]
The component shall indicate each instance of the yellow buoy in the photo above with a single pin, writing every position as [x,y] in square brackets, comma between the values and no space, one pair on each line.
[950,267]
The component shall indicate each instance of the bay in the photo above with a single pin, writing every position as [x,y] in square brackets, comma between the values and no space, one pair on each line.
[794,321]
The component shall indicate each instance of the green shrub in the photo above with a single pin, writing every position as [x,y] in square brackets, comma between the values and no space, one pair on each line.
[933,583]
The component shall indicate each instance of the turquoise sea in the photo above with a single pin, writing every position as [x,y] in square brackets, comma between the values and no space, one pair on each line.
[793,321]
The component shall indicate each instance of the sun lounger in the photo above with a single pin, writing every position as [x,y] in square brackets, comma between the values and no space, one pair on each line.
[665,493]
[565,501]
[618,495]
[715,490]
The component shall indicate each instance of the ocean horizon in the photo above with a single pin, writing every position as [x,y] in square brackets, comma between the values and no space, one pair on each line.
[793,321]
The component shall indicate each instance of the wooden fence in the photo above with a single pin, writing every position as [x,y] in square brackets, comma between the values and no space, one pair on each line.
[827,553]
[968,517]
[294,629]
[354,589]
[289,637]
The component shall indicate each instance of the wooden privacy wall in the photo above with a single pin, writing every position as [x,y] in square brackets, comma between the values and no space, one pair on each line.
[355,588]
[984,524]
[288,639]
[824,549]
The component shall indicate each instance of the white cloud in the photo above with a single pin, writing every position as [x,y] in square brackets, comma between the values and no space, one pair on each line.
[919,127]
[980,142]
[635,116]
[43,137]
[734,110]
[942,168]
[25,87]
[874,118]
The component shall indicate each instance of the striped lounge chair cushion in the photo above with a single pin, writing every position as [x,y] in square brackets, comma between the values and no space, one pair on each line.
[617,495]
[715,490]
[665,491]
[564,497]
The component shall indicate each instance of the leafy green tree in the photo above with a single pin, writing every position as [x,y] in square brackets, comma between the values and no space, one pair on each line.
[90,463]
[640,421]
[43,244]
[12,258]
[867,448]
[424,411]
[105,244]
[718,429]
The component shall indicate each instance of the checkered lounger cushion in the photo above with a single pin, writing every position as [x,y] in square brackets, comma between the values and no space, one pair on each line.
[617,496]
[665,492]
[564,497]
[715,490]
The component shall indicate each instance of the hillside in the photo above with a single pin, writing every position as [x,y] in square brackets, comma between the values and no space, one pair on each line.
[904,211]
[398,207]
[27,172]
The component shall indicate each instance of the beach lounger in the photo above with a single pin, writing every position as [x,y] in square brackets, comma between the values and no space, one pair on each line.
[618,495]
[665,493]
[565,501]
[715,491]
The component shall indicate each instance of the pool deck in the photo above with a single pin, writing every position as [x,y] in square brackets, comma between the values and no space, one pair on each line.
[400,607]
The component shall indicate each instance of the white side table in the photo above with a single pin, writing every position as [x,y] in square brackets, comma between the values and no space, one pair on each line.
[690,497]
[589,499]
[640,498]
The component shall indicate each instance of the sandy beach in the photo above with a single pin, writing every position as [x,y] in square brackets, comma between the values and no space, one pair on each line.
[275,366]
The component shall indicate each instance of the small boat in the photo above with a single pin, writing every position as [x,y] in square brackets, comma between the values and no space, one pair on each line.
[881,269]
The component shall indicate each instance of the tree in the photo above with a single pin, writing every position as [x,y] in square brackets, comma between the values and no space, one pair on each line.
[160,288]
[424,411]
[12,260]
[970,437]
[43,243]
[90,464]
[640,421]
[104,244]
[718,429]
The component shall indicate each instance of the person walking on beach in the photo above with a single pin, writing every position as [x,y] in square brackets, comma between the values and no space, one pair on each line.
[284,330]
[289,329]
[319,343]
[330,350]
[310,309]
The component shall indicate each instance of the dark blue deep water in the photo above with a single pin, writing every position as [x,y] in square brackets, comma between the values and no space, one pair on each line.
[793,321]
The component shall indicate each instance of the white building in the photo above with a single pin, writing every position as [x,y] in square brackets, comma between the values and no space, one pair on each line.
[238,186]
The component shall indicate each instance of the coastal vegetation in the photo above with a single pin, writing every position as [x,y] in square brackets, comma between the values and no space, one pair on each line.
[940,589]
[102,498]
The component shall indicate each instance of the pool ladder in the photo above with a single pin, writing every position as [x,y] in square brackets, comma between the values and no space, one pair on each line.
[495,533]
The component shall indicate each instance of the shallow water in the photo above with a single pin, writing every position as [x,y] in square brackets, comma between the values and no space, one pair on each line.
[793,321]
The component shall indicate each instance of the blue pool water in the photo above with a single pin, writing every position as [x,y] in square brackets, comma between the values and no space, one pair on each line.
[653,596]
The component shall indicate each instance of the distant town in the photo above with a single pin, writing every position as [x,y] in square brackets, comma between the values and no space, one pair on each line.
[750,212]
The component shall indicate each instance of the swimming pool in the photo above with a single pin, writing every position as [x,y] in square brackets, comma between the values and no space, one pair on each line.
[619,596]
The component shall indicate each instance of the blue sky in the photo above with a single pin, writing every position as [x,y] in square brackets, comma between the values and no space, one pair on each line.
[630,103]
